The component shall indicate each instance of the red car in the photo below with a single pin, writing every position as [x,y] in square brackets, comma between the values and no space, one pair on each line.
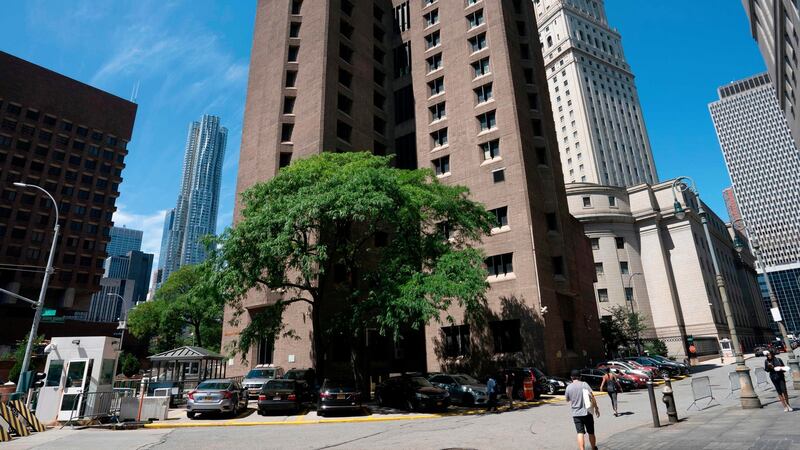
[640,366]
[639,380]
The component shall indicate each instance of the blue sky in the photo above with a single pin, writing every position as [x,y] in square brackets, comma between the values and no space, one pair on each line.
[190,58]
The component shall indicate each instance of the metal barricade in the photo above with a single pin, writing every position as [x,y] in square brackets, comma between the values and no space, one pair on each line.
[100,407]
[733,377]
[701,389]
[762,377]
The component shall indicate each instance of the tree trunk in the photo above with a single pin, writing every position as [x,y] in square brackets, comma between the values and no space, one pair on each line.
[198,340]
[318,341]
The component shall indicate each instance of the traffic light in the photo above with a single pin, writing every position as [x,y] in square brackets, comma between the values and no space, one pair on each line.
[39,379]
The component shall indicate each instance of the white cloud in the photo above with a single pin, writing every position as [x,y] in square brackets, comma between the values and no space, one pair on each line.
[152,224]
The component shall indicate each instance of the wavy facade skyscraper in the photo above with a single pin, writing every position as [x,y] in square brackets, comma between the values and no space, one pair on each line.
[195,213]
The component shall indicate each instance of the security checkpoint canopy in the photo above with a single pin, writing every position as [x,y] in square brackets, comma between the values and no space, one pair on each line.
[187,365]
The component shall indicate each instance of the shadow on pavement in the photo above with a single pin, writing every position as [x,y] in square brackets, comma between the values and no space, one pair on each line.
[700,368]
[223,416]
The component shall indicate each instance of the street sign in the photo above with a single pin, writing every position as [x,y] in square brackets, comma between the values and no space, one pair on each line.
[690,338]
[776,314]
[48,312]
[53,319]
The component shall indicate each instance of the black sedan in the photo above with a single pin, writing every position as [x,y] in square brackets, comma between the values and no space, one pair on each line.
[669,368]
[411,393]
[339,395]
[281,395]
[549,385]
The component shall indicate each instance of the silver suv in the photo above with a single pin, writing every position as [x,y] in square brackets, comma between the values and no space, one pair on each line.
[259,375]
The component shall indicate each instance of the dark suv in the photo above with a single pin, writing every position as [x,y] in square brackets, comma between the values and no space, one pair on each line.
[411,392]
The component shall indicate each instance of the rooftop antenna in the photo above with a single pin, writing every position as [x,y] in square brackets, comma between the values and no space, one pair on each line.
[135,92]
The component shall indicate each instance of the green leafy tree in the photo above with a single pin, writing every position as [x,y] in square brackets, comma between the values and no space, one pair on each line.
[19,356]
[128,364]
[622,329]
[375,246]
[187,303]
[656,347]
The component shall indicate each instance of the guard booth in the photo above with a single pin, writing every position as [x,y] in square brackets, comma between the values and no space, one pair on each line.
[181,369]
[79,378]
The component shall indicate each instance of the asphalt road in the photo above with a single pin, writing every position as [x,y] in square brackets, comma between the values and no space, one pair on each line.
[548,426]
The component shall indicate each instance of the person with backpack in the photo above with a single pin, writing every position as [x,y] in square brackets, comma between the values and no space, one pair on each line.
[610,384]
[584,407]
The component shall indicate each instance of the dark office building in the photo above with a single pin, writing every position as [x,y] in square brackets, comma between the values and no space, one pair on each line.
[71,140]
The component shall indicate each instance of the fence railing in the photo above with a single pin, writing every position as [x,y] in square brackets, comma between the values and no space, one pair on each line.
[98,406]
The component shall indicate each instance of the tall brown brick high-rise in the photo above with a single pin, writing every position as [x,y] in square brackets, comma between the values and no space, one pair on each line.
[457,86]
[70,139]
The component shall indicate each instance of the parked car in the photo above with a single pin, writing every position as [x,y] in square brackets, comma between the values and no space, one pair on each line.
[625,366]
[260,374]
[521,374]
[654,371]
[638,381]
[281,395]
[684,368]
[549,385]
[463,389]
[219,396]
[339,395]
[669,368]
[411,392]
[594,378]
[307,376]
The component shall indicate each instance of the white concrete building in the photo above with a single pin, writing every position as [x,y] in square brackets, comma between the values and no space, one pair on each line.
[601,132]
[764,165]
[648,259]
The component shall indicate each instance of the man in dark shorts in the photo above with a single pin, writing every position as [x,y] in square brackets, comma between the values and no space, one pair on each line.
[584,421]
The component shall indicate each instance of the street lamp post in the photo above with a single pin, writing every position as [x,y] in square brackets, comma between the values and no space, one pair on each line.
[741,225]
[748,397]
[123,322]
[37,317]
[633,294]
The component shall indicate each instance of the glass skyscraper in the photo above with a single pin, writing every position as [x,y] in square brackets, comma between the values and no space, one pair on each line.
[195,213]
[124,240]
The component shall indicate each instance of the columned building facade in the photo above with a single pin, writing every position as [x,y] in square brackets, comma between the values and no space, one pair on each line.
[600,128]
[648,260]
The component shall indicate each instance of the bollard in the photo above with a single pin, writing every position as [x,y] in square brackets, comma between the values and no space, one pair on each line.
[653,406]
[143,387]
[669,400]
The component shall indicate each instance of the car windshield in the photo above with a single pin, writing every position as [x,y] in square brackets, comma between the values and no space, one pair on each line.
[261,373]
[539,374]
[213,386]
[465,379]
[295,375]
[339,384]
[279,384]
[419,382]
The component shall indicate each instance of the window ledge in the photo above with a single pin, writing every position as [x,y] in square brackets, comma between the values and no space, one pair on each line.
[444,175]
[485,102]
[434,71]
[479,77]
[438,120]
[500,278]
[440,148]
[436,95]
[486,162]
[487,131]
[500,230]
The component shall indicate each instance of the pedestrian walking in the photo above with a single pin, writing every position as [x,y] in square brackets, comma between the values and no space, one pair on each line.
[510,378]
[610,385]
[491,388]
[777,373]
[583,405]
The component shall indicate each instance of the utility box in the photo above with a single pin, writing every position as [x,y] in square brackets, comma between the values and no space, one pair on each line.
[80,376]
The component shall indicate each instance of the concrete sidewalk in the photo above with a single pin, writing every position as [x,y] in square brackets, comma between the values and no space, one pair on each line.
[721,427]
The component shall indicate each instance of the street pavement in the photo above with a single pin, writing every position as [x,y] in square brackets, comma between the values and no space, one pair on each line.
[546,426]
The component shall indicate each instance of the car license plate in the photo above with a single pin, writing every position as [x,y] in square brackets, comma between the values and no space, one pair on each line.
[277,397]
[341,396]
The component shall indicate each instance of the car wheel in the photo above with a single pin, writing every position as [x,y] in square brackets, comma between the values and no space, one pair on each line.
[469,400]
[190,414]
[261,412]
[551,389]
[379,399]
[409,405]
[321,413]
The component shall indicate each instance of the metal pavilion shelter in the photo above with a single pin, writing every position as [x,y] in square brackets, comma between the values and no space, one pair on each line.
[185,367]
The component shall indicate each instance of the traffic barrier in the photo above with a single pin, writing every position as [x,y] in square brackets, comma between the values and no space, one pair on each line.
[22,411]
[761,377]
[4,436]
[14,422]
[701,389]
[733,377]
